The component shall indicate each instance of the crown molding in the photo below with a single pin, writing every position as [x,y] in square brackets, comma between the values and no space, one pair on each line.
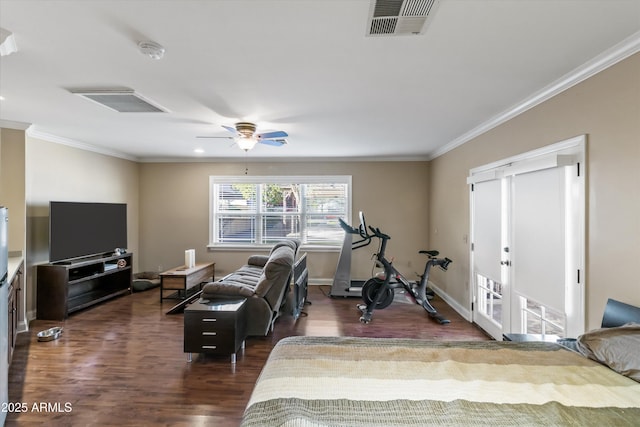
[606,59]
[33,132]
[201,159]
[9,124]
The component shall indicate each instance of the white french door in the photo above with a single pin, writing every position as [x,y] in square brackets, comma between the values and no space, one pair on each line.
[527,251]
[487,247]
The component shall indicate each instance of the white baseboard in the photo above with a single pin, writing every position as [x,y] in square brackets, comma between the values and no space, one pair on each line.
[23,326]
[320,282]
[462,311]
[31,315]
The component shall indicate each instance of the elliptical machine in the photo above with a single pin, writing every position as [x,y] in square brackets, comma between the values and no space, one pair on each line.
[378,292]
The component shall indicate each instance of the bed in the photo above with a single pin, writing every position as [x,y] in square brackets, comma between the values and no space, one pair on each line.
[351,381]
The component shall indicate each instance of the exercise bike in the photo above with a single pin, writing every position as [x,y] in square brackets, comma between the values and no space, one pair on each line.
[378,292]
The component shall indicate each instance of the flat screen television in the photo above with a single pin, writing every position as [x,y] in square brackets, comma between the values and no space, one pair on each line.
[78,229]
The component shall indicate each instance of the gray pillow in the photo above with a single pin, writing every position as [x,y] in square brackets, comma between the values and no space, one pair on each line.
[618,348]
[258,260]
[227,288]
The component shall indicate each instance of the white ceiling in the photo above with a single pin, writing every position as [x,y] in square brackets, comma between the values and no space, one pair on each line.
[303,66]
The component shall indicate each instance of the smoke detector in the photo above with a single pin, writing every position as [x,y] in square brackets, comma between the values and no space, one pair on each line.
[400,17]
[152,49]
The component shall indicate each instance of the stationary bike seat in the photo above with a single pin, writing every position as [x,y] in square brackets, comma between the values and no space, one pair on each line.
[430,253]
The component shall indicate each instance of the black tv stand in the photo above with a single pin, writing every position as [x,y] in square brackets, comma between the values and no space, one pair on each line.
[68,286]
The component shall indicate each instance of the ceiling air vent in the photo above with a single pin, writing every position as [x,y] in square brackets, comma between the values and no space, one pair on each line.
[400,17]
[122,101]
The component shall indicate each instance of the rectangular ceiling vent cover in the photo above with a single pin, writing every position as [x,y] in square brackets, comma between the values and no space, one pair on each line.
[400,17]
[120,100]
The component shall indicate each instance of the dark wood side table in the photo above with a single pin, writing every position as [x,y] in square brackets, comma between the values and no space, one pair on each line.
[215,327]
[182,279]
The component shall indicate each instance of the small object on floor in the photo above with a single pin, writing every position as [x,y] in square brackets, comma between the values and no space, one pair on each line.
[145,280]
[50,334]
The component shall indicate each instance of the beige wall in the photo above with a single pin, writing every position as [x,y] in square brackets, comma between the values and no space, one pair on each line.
[606,108]
[12,184]
[174,207]
[62,173]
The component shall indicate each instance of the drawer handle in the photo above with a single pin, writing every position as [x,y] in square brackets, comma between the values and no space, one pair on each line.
[210,333]
[210,347]
[209,320]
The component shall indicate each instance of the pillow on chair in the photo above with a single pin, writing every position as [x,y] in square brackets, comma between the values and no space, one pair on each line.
[228,288]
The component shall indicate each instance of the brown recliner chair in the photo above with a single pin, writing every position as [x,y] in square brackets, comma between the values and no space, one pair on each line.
[264,281]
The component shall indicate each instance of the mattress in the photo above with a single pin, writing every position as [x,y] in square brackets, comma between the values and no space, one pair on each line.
[349,381]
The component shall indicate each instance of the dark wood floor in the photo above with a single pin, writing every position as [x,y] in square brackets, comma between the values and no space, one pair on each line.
[122,362]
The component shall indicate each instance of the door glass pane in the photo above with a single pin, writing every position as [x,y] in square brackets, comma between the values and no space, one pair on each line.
[489,298]
[541,320]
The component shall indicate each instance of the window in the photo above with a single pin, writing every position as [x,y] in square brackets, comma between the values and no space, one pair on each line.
[262,210]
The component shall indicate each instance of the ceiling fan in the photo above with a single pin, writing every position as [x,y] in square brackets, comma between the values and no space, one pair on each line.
[246,137]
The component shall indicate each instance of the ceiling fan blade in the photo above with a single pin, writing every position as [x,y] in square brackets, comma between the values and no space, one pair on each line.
[211,137]
[274,142]
[272,135]
[230,129]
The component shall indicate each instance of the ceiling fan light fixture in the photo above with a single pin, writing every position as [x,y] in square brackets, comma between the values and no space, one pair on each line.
[245,137]
[246,129]
[246,143]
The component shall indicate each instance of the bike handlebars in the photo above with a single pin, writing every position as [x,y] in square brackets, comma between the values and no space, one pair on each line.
[378,233]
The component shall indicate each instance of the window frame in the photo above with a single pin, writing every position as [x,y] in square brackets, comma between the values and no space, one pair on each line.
[272,179]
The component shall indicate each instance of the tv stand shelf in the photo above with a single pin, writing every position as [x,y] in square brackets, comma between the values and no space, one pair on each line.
[66,287]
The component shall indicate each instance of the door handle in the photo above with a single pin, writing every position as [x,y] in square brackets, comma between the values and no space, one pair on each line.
[507,263]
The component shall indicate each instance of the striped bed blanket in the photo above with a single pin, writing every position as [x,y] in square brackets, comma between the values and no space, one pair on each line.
[346,381]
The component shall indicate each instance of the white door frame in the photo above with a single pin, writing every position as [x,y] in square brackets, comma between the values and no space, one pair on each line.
[570,151]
